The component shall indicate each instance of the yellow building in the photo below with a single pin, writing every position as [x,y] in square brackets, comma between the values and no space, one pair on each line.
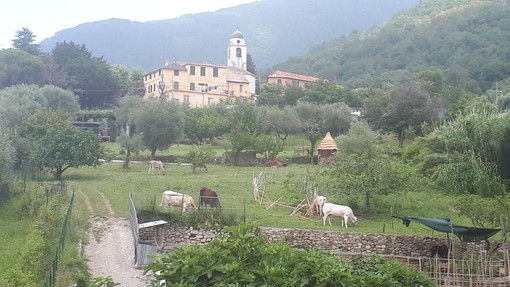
[201,85]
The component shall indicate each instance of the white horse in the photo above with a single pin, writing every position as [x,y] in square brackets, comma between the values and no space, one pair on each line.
[153,164]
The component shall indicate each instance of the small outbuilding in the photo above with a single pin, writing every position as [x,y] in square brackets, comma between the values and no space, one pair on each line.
[326,149]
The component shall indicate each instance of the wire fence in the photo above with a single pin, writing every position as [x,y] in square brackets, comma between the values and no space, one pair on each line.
[52,274]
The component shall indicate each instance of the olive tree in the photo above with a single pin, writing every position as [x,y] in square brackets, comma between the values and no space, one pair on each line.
[160,123]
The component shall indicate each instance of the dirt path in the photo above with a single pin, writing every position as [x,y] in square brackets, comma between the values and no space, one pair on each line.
[110,251]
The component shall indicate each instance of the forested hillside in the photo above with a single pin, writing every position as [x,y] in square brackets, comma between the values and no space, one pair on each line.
[469,41]
[274,30]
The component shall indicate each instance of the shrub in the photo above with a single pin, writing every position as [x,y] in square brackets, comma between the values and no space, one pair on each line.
[246,258]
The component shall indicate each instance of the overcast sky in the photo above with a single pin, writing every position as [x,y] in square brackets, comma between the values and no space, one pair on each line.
[46,17]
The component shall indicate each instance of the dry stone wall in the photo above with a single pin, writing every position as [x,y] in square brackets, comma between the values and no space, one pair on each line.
[340,241]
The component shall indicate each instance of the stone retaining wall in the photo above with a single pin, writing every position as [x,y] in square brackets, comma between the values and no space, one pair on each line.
[340,241]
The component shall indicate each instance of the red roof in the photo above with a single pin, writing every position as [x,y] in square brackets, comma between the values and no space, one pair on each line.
[292,76]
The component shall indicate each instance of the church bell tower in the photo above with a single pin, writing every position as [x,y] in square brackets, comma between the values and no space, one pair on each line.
[237,53]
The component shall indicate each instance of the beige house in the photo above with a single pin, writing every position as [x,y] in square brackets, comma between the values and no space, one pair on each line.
[201,85]
[290,79]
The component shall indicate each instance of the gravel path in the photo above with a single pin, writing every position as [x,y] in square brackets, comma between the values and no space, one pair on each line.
[110,251]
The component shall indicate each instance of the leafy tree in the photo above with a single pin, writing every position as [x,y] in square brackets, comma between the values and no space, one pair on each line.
[337,118]
[292,95]
[280,122]
[131,143]
[200,155]
[19,67]
[311,119]
[126,116]
[89,76]
[324,92]
[475,160]
[65,146]
[268,145]
[251,67]
[129,81]
[245,126]
[25,41]
[202,124]
[161,124]
[482,211]
[60,100]
[6,158]
[409,106]
[17,103]
[270,95]
[359,170]
[36,125]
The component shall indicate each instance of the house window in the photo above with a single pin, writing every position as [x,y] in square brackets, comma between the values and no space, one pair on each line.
[176,85]
[240,89]
[192,86]
[185,99]
[295,83]
[279,81]
[210,101]
[238,52]
[202,71]
[159,72]
[176,72]
[192,70]
[215,72]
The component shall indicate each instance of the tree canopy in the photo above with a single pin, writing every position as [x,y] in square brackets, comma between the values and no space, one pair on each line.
[65,146]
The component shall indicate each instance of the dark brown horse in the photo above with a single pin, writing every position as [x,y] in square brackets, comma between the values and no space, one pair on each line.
[209,197]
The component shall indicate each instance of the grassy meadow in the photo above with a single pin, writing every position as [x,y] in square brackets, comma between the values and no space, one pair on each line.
[104,191]
[234,187]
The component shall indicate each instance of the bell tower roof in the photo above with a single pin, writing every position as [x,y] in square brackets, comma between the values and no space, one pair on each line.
[237,34]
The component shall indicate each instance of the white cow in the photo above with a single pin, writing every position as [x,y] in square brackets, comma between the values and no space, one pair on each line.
[153,164]
[343,211]
[319,202]
[176,199]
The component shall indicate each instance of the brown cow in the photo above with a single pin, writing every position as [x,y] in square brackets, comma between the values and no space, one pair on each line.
[175,199]
[209,197]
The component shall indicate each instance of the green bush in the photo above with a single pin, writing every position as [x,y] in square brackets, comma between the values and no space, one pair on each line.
[246,258]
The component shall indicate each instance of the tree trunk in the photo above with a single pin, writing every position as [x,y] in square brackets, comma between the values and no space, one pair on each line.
[401,138]
[128,158]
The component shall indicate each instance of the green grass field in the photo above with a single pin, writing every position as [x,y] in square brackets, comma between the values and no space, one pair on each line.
[104,191]
[234,186]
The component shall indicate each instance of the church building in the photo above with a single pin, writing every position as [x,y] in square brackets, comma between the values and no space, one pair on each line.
[202,84]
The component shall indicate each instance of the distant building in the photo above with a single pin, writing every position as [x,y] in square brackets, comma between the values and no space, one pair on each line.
[290,79]
[200,85]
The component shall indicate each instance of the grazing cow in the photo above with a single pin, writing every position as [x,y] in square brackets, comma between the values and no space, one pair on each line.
[209,197]
[345,213]
[274,163]
[194,165]
[153,164]
[318,203]
[176,199]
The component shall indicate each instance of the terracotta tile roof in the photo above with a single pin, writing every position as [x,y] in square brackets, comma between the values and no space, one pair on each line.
[292,76]
[328,143]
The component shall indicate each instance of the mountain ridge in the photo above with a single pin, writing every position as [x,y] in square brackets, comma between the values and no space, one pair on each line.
[274,30]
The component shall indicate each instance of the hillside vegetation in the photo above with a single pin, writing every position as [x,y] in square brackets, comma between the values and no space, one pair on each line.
[468,41]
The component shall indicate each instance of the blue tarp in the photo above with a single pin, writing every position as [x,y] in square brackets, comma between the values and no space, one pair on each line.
[464,233]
